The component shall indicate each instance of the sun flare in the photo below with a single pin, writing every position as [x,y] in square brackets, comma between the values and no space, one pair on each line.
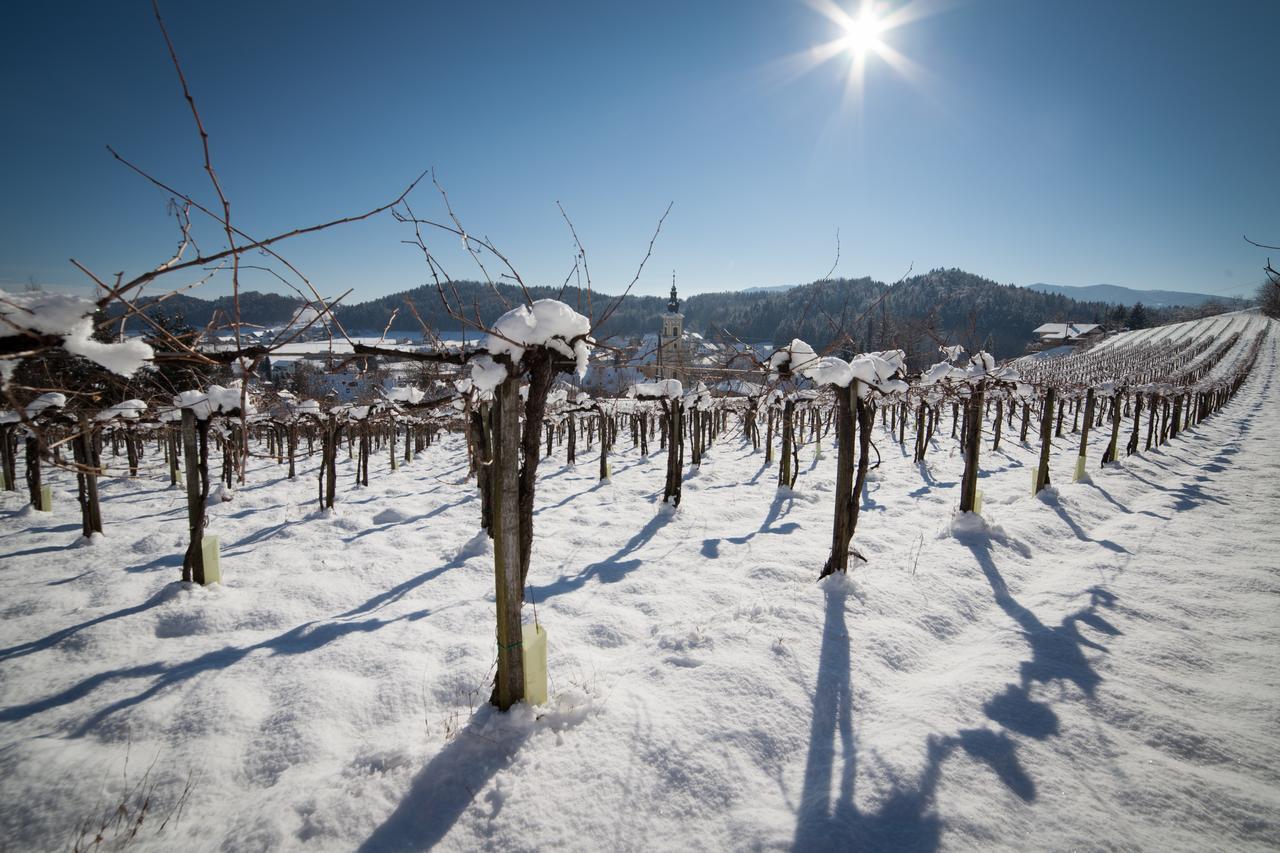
[862,32]
[862,36]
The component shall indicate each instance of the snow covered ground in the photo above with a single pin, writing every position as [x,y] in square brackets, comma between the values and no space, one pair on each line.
[1094,668]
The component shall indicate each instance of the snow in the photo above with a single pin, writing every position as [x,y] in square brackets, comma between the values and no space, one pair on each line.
[981,368]
[1093,668]
[129,410]
[669,389]
[547,323]
[69,317]
[876,370]
[213,400]
[406,394]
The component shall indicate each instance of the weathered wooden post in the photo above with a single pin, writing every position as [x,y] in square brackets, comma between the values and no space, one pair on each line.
[1089,403]
[606,442]
[785,475]
[32,444]
[853,416]
[1132,447]
[1116,410]
[508,686]
[8,464]
[673,410]
[1046,440]
[193,562]
[87,478]
[768,439]
[996,424]
[973,445]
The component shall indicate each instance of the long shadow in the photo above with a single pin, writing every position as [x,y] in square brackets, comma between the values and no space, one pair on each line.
[609,570]
[573,497]
[1056,505]
[23,531]
[443,789]
[257,536]
[23,649]
[45,549]
[71,579]
[414,520]
[1186,496]
[930,482]
[711,547]
[1057,652]
[172,561]
[905,820]
[299,640]
[248,511]
[1088,481]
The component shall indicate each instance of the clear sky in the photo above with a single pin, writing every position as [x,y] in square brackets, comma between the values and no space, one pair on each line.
[1075,143]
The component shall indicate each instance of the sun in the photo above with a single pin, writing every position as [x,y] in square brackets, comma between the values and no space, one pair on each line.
[862,32]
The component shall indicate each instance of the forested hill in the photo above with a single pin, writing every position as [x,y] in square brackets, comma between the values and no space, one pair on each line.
[941,305]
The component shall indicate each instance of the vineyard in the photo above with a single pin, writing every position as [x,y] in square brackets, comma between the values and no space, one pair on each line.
[893,608]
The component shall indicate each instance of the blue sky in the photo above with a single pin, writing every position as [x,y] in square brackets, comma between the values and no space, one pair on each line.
[1073,143]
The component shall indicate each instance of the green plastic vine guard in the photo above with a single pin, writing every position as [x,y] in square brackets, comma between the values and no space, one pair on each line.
[534,640]
[46,499]
[212,563]
[977,502]
[1079,468]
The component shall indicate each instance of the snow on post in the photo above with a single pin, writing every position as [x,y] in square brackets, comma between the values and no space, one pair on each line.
[63,320]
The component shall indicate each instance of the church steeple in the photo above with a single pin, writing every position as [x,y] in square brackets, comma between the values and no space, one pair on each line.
[673,305]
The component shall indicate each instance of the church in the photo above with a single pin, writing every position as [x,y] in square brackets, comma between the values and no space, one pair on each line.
[674,356]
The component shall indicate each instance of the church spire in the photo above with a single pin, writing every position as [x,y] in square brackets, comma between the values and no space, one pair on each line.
[673,305]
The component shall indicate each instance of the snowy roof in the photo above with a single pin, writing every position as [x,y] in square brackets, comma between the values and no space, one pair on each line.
[1062,331]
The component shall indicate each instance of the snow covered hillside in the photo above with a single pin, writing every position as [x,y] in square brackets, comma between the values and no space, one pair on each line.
[1095,667]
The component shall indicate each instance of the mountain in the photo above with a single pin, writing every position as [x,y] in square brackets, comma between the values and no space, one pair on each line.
[943,306]
[1129,297]
[777,288]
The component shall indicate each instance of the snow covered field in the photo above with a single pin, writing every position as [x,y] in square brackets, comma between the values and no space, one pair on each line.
[1094,668]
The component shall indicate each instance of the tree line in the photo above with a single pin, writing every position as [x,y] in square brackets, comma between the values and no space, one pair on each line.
[916,314]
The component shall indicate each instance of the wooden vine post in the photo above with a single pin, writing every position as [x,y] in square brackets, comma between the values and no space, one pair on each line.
[786,477]
[193,562]
[505,484]
[674,418]
[1089,403]
[1046,439]
[32,444]
[1116,411]
[973,444]
[853,416]
[8,457]
[1132,447]
[606,442]
[87,478]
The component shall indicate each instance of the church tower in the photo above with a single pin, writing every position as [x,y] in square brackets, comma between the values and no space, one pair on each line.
[671,355]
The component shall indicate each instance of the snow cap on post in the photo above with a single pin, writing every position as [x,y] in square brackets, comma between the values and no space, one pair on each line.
[875,370]
[669,389]
[129,410]
[546,323]
[70,318]
[214,400]
[48,400]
